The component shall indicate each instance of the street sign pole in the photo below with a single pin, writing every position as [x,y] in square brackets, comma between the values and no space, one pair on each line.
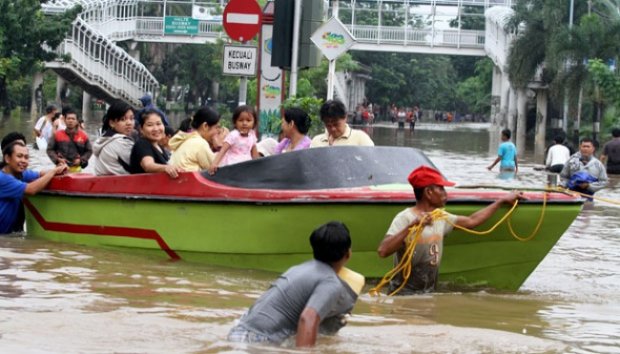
[331,75]
[243,89]
[242,21]
[292,92]
[333,39]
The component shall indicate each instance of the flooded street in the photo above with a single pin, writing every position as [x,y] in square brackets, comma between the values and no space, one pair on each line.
[64,298]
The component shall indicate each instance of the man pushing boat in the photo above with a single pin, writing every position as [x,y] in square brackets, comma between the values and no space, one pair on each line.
[311,297]
[16,180]
[416,234]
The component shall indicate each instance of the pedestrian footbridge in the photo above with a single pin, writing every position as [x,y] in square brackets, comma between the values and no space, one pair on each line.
[107,70]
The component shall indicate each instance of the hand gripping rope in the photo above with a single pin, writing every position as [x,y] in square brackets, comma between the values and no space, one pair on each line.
[404,266]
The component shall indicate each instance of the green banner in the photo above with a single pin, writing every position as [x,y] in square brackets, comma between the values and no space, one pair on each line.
[180,25]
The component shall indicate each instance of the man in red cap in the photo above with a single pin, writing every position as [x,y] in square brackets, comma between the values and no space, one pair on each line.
[428,186]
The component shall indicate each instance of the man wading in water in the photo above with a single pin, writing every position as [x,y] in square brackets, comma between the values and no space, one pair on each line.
[307,298]
[428,187]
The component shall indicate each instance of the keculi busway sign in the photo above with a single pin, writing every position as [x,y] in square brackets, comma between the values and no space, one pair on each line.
[240,60]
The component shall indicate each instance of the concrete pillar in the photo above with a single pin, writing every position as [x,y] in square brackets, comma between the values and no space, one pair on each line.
[36,100]
[502,121]
[496,91]
[541,124]
[512,110]
[521,129]
[61,90]
[87,112]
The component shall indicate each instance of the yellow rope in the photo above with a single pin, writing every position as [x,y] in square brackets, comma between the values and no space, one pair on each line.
[535,231]
[415,231]
[569,191]
[405,265]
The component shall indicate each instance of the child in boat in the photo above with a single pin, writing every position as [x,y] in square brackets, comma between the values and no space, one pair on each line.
[428,187]
[309,298]
[240,144]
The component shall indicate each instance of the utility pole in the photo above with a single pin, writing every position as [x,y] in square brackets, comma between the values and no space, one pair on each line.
[292,92]
[566,67]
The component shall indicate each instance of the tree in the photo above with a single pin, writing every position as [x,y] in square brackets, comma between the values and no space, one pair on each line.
[26,36]
[475,92]
[544,40]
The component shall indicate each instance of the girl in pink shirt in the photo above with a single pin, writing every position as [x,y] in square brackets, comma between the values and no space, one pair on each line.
[240,144]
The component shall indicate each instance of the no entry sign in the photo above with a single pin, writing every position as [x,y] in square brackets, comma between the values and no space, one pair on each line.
[242,19]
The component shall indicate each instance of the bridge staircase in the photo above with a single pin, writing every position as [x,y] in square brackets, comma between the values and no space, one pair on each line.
[90,59]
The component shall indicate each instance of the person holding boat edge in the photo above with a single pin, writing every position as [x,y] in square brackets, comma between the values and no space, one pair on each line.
[583,172]
[147,156]
[308,298]
[16,180]
[428,186]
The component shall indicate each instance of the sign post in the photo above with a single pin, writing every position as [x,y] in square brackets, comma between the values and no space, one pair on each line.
[333,39]
[242,21]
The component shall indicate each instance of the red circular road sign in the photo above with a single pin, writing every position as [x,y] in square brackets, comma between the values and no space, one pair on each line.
[242,19]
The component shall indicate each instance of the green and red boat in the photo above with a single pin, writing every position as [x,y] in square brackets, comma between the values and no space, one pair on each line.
[259,214]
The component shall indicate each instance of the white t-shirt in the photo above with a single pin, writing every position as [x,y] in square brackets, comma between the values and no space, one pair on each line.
[558,154]
[45,128]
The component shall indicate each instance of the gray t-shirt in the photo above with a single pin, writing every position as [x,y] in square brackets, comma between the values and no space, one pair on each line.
[311,284]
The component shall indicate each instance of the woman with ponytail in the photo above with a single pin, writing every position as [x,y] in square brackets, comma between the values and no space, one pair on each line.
[191,151]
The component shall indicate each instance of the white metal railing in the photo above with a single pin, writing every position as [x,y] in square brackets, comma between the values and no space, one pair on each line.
[94,55]
[105,21]
[498,40]
[409,36]
[484,3]
[101,62]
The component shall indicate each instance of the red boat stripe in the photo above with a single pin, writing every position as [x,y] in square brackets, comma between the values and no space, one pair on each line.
[101,230]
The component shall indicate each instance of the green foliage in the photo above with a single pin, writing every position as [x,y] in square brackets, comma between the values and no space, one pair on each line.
[472,18]
[24,30]
[475,92]
[606,80]
[197,70]
[410,79]
[312,106]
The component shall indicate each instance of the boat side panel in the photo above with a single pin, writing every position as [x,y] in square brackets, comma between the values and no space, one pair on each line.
[275,236]
[505,261]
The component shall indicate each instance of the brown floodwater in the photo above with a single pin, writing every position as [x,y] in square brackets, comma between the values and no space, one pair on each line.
[64,298]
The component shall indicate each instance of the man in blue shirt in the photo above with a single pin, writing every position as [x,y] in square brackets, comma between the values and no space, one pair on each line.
[16,180]
[507,154]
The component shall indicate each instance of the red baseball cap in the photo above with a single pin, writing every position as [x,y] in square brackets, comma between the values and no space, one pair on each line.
[425,176]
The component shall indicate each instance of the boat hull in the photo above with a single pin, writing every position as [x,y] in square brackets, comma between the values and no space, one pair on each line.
[273,235]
